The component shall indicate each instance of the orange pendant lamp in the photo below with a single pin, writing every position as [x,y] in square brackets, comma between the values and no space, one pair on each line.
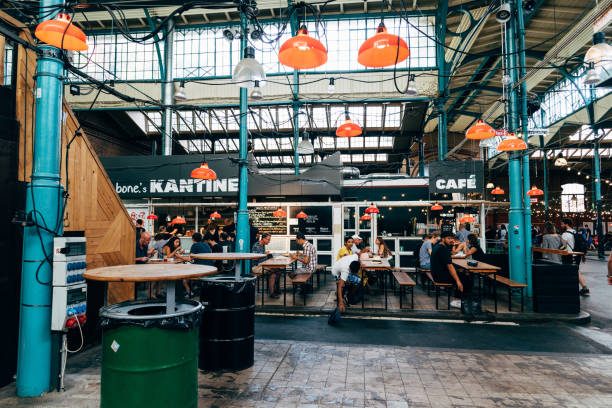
[203,173]
[511,143]
[215,215]
[61,33]
[302,51]
[480,131]
[436,207]
[535,192]
[179,220]
[372,210]
[280,212]
[366,217]
[382,49]
[467,219]
[498,191]
[151,217]
[301,215]
[348,128]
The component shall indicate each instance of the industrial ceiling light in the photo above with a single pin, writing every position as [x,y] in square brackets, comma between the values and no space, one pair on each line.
[436,207]
[280,212]
[61,33]
[480,131]
[229,34]
[152,217]
[593,77]
[331,88]
[305,146]
[179,220]
[467,219]
[506,80]
[382,49]
[535,192]
[600,53]
[248,70]
[179,93]
[511,143]
[490,185]
[302,51]
[503,13]
[412,89]
[560,161]
[372,210]
[203,173]
[348,128]
[256,35]
[498,191]
[215,215]
[256,93]
[301,215]
[366,217]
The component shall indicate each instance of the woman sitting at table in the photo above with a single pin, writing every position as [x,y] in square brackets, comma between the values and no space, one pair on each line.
[473,249]
[173,249]
[383,250]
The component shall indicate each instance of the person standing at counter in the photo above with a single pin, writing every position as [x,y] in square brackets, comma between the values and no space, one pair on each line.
[347,249]
[143,253]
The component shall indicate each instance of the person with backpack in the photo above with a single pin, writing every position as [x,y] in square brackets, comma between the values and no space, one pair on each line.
[574,242]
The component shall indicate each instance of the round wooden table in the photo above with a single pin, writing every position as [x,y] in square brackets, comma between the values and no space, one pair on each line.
[239,257]
[166,272]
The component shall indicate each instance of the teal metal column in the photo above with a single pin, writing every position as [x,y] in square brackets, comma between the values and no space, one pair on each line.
[168,88]
[525,129]
[296,105]
[545,175]
[597,185]
[421,157]
[242,227]
[516,231]
[442,78]
[44,208]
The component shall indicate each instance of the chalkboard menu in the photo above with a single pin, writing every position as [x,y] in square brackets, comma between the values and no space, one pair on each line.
[264,220]
[447,228]
[318,222]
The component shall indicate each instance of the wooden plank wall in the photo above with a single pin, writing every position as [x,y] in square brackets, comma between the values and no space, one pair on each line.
[93,205]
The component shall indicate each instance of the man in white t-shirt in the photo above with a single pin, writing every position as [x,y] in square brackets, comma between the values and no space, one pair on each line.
[569,241]
[345,271]
[356,248]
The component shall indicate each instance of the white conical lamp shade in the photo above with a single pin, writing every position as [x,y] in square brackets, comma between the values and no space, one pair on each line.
[305,147]
[248,70]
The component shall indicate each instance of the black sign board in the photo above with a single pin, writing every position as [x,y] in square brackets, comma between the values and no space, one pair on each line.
[456,177]
[317,222]
[264,220]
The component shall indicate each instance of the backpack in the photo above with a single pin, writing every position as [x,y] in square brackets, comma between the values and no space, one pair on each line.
[580,244]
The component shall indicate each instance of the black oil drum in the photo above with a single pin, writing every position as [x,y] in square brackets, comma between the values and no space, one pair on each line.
[227,333]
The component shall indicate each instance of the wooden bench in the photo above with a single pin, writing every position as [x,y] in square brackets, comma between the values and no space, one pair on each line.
[513,287]
[421,271]
[445,286]
[321,269]
[300,279]
[404,281]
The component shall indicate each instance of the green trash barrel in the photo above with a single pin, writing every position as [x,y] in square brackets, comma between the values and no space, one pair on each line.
[150,358]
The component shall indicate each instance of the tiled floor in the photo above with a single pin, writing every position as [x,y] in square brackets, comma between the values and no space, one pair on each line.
[300,374]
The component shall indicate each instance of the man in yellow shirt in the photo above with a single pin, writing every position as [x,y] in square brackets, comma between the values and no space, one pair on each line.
[346,249]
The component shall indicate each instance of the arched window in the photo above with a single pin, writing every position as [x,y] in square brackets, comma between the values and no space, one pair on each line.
[572,198]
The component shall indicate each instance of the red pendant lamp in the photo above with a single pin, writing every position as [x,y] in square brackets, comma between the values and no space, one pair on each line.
[151,217]
[215,215]
[467,219]
[436,207]
[498,191]
[203,173]
[61,33]
[179,220]
[302,51]
[348,128]
[280,212]
[301,215]
[372,210]
[535,192]
[382,49]
[511,143]
[480,131]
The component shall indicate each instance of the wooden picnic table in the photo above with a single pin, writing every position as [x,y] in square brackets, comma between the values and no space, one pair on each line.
[166,272]
[381,267]
[555,251]
[480,269]
[238,257]
[277,263]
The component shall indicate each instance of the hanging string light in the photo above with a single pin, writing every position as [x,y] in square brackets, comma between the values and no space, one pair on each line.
[302,51]
[348,128]
[480,131]
[61,33]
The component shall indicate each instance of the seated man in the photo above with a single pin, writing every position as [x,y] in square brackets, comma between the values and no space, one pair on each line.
[308,258]
[260,248]
[443,271]
[200,247]
[345,272]
[143,253]
[347,249]
[426,249]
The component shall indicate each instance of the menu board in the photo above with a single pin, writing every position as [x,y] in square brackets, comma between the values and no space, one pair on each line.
[317,222]
[264,220]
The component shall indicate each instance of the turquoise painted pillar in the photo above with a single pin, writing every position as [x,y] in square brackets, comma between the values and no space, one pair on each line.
[525,129]
[516,230]
[421,157]
[597,185]
[44,208]
[296,105]
[442,78]
[168,88]
[242,227]
[545,175]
